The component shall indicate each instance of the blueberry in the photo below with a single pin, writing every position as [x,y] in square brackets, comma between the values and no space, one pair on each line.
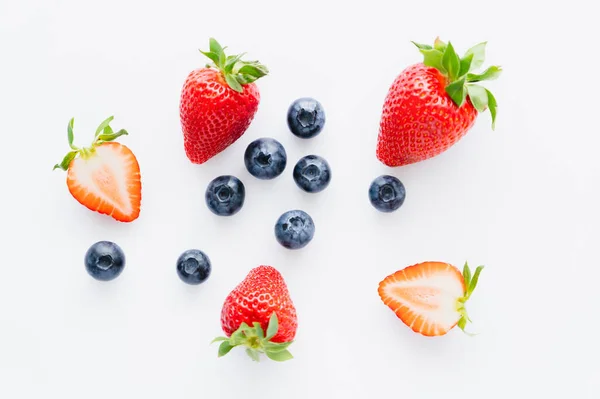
[312,173]
[193,267]
[294,229]
[104,260]
[265,158]
[387,193]
[306,118]
[225,195]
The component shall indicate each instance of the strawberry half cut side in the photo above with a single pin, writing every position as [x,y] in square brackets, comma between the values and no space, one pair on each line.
[104,177]
[430,297]
[256,342]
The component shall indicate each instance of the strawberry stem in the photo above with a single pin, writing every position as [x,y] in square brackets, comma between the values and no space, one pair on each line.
[236,72]
[470,284]
[460,75]
[255,341]
[104,133]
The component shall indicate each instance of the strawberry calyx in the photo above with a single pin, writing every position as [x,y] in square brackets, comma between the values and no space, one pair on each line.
[236,72]
[104,133]
[256,342]
[460,73]
[470,284]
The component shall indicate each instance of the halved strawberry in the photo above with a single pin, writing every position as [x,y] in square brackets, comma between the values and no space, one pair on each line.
[104,177]
[430,297]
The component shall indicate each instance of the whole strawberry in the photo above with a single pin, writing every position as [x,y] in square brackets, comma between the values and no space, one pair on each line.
[260,315]
[218,103]
[431,105]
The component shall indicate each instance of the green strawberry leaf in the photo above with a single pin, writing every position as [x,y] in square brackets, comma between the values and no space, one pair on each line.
[70,133]
[216,48]
[465,65]
[237,338]
[231,61]
[110,135]
[224,348]
[277,347]
[252,69]
[233,83]
[104,124]
[219,339]
[462,324]
[214,57]
[222,60]
[244,328]
[491,73]
[253,354]
[273,327]
[244,79]
[433,58]
[478,52]
[439,44]
[246,72]
[280,356]
[258,329]
[474,281]
[492,105]
[64,164]
[422,46]
[457,92]
[478,96]
[451,62]
[467,275]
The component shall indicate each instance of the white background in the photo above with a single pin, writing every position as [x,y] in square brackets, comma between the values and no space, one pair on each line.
[522,200]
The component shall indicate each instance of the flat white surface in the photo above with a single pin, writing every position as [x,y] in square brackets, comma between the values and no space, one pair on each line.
[522,200]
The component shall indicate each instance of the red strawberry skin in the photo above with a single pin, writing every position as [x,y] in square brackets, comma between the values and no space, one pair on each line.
[213,115]
[262,292]
[419,119]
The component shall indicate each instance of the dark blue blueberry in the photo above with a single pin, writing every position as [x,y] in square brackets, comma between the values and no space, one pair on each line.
[104,260]
[265,158]
[312,173]
[225,195]
[193,267]
[306,118]
[387,193]
[294,229]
